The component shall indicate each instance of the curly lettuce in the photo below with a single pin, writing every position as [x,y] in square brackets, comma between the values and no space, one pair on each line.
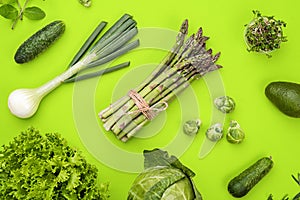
[33,166]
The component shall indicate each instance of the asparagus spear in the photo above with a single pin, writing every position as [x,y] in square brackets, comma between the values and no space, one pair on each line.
[164,80]
[185,62]
[169,57]
[166,96]
[154,88]
[158,76]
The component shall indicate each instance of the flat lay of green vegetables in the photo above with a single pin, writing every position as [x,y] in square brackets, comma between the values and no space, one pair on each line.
[24,103]
[163,178]
[188,60]
[37,166]
[15,11]
[44,166]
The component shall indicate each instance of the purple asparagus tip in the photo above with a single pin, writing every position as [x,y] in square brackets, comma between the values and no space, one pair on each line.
[199,33]
[184,27]
[209,51]
[216,57]
[219,66]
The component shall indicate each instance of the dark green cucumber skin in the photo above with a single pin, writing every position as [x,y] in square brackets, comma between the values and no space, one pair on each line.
[244,182]
[285,96]
[39,41]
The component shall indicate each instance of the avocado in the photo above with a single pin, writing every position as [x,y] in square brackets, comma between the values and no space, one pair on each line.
[285,96]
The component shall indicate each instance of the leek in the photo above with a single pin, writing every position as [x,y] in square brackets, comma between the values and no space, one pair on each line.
[24,103]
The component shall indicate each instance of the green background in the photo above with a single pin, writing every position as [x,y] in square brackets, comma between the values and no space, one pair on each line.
[245,75]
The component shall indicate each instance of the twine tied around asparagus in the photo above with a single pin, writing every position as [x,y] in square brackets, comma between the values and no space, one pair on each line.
[143,106]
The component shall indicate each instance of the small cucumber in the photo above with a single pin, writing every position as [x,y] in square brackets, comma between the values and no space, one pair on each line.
[244,182]
[39,41]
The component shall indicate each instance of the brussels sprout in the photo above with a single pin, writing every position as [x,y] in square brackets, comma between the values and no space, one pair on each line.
[191,127]
[215,132]
[164,178]
[225,104]
[235,134]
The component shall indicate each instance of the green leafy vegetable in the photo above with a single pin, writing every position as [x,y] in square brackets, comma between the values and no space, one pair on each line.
[164,177]
[7,1]
[34,166]
[8,11]
[34,13]
[16,13]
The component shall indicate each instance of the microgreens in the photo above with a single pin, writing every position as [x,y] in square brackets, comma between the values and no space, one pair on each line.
[264,33]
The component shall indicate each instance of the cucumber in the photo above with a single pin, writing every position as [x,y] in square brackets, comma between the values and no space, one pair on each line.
[244,182]
[39,42]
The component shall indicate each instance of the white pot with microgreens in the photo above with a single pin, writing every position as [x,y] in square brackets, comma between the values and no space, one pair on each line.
[264,34]
[24,103]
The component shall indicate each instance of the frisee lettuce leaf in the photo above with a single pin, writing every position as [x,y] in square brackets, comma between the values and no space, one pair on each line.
[33,166]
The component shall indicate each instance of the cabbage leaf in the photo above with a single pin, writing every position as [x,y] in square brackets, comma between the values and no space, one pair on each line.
[164,177]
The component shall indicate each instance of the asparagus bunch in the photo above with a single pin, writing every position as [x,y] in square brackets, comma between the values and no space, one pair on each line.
[188,60]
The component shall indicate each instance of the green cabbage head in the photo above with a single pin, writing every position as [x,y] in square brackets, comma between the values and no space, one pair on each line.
[164,178]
